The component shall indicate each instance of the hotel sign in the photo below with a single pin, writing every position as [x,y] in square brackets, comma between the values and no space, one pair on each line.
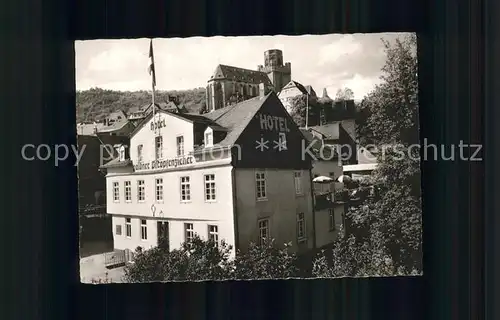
[273,123]
[158,124]
[164,164]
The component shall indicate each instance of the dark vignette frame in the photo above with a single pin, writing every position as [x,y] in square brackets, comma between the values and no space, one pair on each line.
[456,81]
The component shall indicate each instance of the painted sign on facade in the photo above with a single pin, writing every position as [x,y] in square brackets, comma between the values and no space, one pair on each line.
[273,123]
[158,124]
[164,164]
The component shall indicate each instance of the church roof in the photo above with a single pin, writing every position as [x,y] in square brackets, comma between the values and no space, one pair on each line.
[240,74]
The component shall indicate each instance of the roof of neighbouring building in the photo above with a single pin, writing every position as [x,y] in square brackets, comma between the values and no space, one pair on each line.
[115,126]
[295,84]
[315,145]
[86,129]
[329,130]
[302,88]
[240,74]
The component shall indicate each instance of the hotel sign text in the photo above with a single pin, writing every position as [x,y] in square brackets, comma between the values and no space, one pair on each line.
[273,123]
[158,124]
[164,164]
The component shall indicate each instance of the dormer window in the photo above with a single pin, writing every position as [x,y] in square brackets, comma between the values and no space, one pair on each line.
[209,139]
[122,153]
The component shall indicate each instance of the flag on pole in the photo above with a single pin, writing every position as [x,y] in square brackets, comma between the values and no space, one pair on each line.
[151,68]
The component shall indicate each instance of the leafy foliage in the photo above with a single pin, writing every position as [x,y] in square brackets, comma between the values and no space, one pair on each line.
[95,104]
[390,112]
[384,237]
[200,260]
[265,262]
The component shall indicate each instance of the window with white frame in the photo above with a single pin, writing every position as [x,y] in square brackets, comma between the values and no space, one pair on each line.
[118,229]
[159,189]
[209,139]
[139,153]
[188,232]
[297,179]
[260,184]
[128,191]
[159,147]
[128,227]
[331,213]
[263,231]
[213,234]
[144,230]
[116,191]
[209,187]
[185,189]
[180,146]
[141,195]
[282,141]
[122,153]
[301,226]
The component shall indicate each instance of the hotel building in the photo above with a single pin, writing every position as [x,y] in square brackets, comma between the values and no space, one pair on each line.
[237,174]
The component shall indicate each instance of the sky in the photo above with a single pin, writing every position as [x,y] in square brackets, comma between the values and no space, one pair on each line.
[333,61]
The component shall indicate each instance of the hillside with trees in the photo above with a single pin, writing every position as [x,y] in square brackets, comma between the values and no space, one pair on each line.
[95,104]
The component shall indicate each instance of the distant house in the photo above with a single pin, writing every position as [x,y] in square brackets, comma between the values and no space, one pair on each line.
[292,90]
[172,105]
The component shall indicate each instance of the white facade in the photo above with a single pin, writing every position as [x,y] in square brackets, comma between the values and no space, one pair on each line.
[287,94]
[171,193]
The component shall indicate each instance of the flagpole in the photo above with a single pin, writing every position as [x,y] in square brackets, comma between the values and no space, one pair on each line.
[152,72]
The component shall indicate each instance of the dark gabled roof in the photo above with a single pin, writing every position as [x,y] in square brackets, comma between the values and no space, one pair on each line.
[236,118]
[240,74]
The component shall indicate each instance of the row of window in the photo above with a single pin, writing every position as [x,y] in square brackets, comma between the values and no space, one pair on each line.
[159,147]
[185,187]
[212,230]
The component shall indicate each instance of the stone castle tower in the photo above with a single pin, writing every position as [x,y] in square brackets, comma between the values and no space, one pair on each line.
[279,74]
[229,85]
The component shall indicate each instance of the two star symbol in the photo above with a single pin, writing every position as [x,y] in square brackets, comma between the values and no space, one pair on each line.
[262,145]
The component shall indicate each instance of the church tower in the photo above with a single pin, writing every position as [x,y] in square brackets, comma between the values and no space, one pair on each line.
[279,74]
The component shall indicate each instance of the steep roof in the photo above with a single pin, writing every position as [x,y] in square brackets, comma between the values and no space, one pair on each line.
[297,85]
[240,74]
[236,118]
[115,126]
[330,130]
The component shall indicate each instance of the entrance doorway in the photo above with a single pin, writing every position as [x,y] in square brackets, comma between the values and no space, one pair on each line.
[162,234]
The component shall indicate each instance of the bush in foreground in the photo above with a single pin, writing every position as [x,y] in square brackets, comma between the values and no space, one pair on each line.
[200,260]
